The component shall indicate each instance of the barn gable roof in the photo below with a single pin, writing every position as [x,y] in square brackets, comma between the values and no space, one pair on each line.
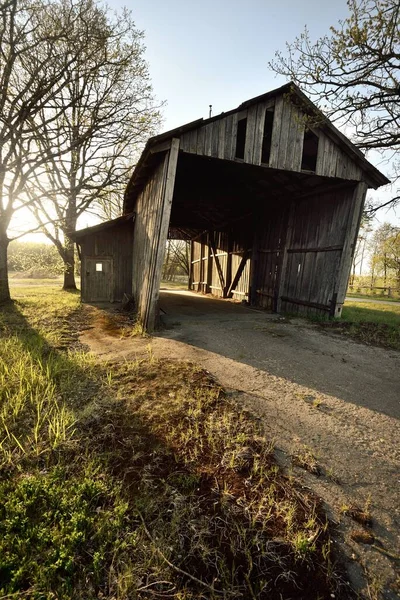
[154,144]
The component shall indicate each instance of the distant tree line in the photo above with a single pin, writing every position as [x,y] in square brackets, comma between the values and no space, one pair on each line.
[35,258]
[377,256]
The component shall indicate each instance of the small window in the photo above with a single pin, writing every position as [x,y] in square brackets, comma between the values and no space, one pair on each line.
[241,138]
[267,137]
[310,152]
[99,267]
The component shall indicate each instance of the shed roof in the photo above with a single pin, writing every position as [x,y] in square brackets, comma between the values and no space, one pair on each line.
[374,175]
[77,235]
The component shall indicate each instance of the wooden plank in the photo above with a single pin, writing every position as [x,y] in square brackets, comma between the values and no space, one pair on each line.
[320,156]
[259,133]
[276,132]
[349,245]
[201,138]
[228,137]
[316,249]
[297,140]
[193,141]
[162,235]
[208,139]
[232,151]
[323,307]
[238,274]
[284,265]
[251,127]
[215,139]
[185,142]
[221,139]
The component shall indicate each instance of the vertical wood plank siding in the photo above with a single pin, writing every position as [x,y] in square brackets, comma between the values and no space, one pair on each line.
[217,139]
[314,250]
[153,207]
[115,243]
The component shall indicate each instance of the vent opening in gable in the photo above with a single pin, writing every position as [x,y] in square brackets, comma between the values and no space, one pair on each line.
[267,136]
[310,152]
[241,138]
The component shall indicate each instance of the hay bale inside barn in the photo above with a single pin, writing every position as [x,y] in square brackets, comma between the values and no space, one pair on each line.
[269,194]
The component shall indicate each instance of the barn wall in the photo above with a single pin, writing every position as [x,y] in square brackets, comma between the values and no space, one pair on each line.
[152,208]
[218,139]
[268,252]
[317,241]
[115,243]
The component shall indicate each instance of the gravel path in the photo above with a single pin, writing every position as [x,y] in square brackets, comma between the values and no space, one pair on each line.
[316,393]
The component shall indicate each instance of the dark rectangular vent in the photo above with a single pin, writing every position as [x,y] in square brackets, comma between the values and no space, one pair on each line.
[241,138]
[267,136]
[310,152]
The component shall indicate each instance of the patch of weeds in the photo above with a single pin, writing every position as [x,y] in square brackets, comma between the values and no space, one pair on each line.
[359,515]
[306,459]
[375,324]
[60,530]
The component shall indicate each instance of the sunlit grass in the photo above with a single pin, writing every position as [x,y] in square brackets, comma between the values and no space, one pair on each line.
[370,323]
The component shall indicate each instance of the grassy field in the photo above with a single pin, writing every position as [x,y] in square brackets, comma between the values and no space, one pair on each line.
[139,479]
[394,298]
[377,324]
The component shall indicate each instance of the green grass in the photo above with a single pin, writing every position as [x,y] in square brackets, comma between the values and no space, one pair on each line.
[394,298]
[377,324]
[139,480]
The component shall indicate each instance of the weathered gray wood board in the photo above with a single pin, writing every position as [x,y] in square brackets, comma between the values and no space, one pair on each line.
[153,208]
[115,244]
[218,139]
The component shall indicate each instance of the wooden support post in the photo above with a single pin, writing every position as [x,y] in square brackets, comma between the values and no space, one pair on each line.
[238,274]
[350,241]
[155,275]
[217,263]
[283,273]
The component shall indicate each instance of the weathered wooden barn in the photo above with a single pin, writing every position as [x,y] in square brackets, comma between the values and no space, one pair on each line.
[270,196]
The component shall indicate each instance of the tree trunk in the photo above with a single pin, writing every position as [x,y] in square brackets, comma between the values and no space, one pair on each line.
[69,265]
[4,287]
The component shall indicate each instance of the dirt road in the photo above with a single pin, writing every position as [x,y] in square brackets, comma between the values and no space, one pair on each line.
[328,399]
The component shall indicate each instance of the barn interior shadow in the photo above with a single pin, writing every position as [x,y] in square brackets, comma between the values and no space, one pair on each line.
[288,348]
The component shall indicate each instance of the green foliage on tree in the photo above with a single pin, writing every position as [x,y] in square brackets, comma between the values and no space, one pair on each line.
[385,260]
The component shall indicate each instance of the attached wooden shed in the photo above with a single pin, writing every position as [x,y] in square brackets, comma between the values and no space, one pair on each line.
[269,194]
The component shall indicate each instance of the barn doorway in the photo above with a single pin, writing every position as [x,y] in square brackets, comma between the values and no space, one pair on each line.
[99,279]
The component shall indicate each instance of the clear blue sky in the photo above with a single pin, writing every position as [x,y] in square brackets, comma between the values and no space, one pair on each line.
[217,52]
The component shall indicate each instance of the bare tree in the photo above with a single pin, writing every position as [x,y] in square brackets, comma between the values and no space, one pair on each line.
[89,145]
[177,259]
[353,74]
[31,74]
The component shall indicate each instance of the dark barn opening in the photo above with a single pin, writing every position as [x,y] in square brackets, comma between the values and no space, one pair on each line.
[241,138]
[310,152]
